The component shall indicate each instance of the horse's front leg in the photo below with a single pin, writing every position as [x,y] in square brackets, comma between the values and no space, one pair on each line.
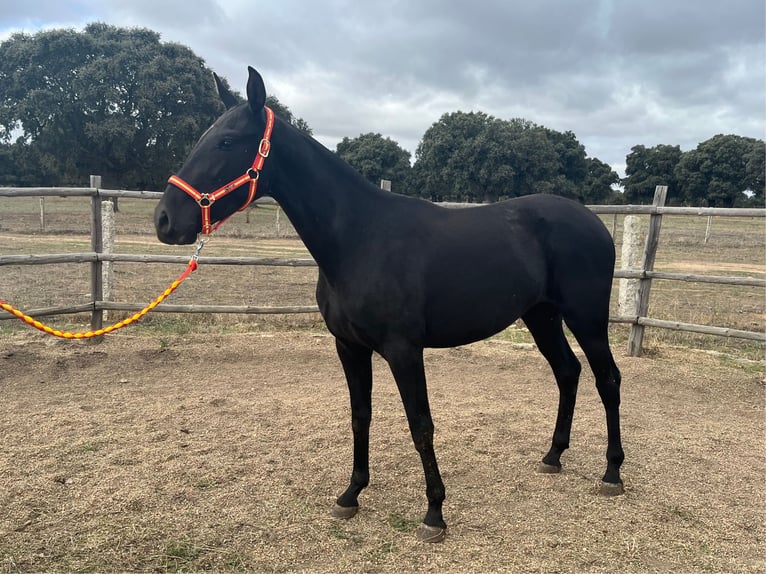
[357,365]
[409,373]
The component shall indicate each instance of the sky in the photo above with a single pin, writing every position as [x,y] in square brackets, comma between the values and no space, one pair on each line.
[617,73]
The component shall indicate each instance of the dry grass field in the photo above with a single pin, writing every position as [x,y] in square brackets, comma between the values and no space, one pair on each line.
[197,442]
[225,452]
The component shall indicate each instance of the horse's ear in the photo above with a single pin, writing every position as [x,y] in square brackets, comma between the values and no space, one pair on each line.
[226,96]
[256,91]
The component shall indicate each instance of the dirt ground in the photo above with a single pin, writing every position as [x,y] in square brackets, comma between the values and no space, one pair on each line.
[225,453]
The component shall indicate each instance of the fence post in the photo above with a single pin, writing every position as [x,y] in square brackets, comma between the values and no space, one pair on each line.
[107,217]
[630,259]
[636,337]
[42,215]
[96,245]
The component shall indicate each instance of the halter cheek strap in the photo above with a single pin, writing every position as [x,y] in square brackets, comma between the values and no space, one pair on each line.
[205,200]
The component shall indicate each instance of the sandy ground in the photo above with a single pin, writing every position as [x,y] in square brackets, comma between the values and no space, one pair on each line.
[225,453]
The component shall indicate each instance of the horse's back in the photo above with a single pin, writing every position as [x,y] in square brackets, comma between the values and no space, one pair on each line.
[563,233]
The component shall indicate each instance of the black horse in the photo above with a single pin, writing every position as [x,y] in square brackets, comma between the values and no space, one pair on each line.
[397,274]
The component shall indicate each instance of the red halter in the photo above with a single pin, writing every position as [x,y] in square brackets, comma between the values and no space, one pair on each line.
[205,200]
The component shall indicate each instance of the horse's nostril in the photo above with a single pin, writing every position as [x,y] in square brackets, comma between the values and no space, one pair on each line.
[161,221]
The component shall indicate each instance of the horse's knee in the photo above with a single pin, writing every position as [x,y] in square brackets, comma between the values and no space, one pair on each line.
[360,422]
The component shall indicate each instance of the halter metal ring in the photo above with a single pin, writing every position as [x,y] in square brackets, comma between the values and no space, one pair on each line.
[206,200]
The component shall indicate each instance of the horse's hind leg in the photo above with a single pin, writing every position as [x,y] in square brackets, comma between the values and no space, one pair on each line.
[594,341]
[544,322]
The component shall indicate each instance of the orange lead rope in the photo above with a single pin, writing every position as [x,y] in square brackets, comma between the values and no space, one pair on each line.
[190,268]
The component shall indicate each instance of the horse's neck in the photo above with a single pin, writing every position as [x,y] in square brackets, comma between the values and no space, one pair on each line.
[328,203]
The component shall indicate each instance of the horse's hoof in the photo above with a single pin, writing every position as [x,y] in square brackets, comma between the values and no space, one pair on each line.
[344,512]
[611,489]
[544,468]
[431,533]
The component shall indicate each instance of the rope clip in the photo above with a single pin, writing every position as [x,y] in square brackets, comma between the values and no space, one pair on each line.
[200,245]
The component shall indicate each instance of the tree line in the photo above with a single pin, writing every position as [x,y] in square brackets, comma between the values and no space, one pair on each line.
[123,104]
[474,157]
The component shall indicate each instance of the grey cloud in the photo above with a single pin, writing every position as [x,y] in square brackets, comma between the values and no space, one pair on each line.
[617,73]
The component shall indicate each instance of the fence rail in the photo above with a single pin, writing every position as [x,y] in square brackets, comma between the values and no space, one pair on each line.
[668,210]
[90,256]
[96,257]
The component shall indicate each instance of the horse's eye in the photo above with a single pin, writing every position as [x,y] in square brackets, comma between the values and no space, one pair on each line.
[226,144]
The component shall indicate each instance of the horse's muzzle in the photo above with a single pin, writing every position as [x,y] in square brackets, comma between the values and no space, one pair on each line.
[167,232]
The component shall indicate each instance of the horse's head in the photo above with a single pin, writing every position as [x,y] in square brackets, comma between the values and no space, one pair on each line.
[223,171]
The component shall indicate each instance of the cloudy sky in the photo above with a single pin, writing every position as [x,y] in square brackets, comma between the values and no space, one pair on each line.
[615,72]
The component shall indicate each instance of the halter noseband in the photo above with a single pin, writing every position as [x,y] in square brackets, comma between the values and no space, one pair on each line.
[205,200]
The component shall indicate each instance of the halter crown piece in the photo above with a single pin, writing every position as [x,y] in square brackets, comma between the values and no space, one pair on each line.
[205,200]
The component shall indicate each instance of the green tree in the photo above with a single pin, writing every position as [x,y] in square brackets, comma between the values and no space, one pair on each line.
[647,168]
[755,171]
[721,169]
[445,168]
[528,150]
[7,166]
[376,158]
[476,157]
[600,180]
[492,157]
[107,100]
[572,168]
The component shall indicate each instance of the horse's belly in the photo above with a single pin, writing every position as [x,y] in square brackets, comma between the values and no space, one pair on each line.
[466,322]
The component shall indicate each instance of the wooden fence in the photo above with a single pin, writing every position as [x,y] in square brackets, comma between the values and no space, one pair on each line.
[97,257]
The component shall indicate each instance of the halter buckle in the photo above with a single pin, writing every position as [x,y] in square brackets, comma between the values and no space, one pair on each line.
[264,148]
